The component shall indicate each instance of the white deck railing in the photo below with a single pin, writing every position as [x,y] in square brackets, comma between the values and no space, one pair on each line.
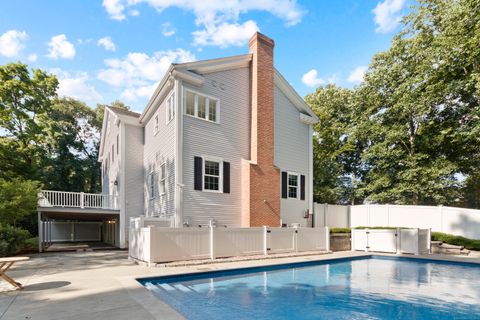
[64,199]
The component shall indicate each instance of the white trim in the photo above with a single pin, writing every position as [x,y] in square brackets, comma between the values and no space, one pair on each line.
[169,107]
[220,172]
[310,169]
[291,173]
[161,194]
[207,106]
[178,189]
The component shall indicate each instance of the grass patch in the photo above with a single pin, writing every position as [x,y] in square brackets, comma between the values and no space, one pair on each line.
[469,244]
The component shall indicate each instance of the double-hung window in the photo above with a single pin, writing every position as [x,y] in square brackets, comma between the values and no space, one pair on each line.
[212,175]
[151,185]
[170,108]
[163,179]
[201,106]
[155,124]
[293,185]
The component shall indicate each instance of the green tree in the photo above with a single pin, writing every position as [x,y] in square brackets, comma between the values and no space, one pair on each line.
[336,144]
[18,200]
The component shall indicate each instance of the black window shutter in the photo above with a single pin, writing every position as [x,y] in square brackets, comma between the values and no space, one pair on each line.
[284,185]
[302,187]
[226,177]
[198,172]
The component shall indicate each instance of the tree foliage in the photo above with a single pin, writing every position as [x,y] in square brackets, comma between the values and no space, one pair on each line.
[416,116]
[44,141]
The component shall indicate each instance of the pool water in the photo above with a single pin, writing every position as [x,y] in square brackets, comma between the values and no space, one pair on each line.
[366,288]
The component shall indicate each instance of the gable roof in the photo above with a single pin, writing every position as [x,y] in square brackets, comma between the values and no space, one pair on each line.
[191,72]
[125,112]
[120,114]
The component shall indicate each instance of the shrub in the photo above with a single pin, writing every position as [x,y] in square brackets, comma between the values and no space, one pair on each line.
[340,230]
[469,244]
[11,239]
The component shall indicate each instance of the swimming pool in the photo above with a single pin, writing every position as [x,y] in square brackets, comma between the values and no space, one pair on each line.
[358,288]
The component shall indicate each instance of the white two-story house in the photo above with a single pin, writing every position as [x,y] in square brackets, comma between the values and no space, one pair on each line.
[226,141]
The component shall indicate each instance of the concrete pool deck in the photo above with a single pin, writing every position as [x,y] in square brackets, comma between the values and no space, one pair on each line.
[101,285]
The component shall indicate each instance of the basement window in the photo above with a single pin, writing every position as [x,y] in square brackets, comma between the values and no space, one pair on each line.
[201,106]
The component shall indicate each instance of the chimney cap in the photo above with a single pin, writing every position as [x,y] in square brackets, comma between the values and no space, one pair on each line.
[257,36]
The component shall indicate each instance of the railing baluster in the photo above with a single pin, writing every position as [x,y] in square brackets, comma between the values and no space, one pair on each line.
[77,200]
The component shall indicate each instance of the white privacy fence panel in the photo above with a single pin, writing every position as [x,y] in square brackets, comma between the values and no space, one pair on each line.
[139,244]
[311,239]
[170,244]
[281,240]
[329,215]
[458,221]
[414,241]
[382,240]
[156,244]
[230,242]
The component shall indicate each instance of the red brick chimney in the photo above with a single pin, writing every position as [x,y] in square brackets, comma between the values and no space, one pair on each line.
[264,178]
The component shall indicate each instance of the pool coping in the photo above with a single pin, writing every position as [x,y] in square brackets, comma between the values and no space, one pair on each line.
[161,310]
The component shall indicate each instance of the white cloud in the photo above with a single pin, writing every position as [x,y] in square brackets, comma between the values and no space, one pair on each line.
[167,29]
[107,44]
[225,34]
[217,15]
[32,57]
[138,73]
[60,47]
[357,75]
[77,86]
[12,42]
[135,93]
[312,79]
[114,9]
[134,13]
[387,15]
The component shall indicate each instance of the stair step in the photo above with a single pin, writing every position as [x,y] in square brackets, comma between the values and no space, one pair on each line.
[451,246]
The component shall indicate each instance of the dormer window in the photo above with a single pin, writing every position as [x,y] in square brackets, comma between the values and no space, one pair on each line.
[201,106]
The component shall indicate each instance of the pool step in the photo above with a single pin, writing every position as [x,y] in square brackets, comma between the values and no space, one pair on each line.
[445,248]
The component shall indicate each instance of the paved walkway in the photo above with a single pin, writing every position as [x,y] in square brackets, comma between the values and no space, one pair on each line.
[101,285]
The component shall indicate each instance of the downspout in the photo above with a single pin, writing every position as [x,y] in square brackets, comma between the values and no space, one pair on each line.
[310,170]
[121,201]
[178,153]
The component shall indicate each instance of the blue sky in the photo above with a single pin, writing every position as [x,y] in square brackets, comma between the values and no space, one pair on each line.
[119,49]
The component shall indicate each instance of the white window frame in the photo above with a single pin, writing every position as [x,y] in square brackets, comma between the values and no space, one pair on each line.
[156,123]
[170,108]
[289,173]
[220,172]
[207,106]
[162,180]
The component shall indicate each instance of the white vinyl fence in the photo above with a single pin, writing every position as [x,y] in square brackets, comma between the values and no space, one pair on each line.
[414,241]
[156,244]
[458,221]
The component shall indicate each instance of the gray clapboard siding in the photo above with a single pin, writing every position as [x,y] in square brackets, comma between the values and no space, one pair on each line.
[134,179]
[291,153]
[228,140]
[113,172]
[159,148]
